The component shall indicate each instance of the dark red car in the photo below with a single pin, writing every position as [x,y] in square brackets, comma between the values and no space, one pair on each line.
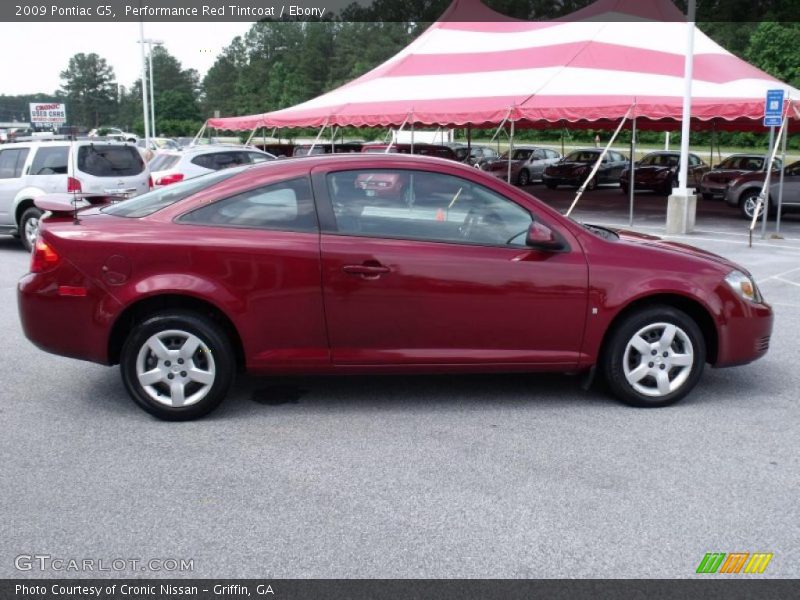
[659,171]
[295,267]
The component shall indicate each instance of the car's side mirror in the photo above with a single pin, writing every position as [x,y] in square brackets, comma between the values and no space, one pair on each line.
[541,237]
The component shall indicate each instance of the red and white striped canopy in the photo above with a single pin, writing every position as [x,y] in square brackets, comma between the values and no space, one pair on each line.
[475,66]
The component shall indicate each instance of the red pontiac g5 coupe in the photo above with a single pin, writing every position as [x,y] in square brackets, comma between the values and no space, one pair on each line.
[296,267]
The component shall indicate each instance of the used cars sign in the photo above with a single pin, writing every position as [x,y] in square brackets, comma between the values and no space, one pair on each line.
[50,114]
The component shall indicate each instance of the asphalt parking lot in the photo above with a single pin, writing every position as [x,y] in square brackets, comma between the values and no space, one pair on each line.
[479,476]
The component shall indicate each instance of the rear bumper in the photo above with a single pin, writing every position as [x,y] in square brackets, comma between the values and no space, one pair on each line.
[73,326]
[715,189]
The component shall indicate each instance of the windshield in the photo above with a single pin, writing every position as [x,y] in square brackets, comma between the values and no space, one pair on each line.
[747,163]
[581,156]
[151,202]
[519,154]
[660,160]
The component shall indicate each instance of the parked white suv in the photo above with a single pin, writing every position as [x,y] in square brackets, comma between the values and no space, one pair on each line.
[171,167]
[31,169]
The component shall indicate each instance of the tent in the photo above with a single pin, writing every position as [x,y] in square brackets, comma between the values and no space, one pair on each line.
[612,59]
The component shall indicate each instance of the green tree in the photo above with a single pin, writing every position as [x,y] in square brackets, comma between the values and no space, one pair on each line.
[90,89]
[773,48]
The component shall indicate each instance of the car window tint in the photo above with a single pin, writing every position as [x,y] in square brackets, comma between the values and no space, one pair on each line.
[153,201]
[110,161]
[285,206]
[50,160]
[11,162]
[419,205]
[258,157]
[587,157]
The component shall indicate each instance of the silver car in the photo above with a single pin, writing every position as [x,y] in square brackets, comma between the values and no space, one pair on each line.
[527,164]
[29,170]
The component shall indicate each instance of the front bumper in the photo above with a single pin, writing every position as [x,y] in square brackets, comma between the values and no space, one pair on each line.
[745,334]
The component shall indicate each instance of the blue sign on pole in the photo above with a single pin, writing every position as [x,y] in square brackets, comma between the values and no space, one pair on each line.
[773,108]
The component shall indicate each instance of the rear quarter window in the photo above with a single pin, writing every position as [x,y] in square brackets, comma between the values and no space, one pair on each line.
[162,162]
[50,160]
[110,161]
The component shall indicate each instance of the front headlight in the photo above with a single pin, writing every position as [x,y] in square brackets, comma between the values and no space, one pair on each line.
[744,286]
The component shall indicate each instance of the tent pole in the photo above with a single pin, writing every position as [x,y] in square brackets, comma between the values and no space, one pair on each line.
[395,136]
[764,195]
[412,137]
[250,137]
[780,181]
[499,129]
[319,135]
[469,142]
[598,162]
[199,133]
[766,202]
[562,140]
[510,150]
[333,140]
[632,180]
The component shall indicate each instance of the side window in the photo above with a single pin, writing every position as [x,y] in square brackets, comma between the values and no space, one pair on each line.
[50,161]
[204,160]
[285,206]
[426,206]
[11,162]
[257,157]
[693,160]
[539,155]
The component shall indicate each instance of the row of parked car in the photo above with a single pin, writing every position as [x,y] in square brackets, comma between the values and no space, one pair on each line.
[107,166]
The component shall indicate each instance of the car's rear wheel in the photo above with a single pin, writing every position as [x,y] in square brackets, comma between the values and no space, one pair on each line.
[29,227]
[177,365]
[592,185]
[524,178]
[654,357]
[624,187]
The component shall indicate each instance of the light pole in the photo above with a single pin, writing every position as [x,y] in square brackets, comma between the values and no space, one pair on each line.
[150,44]
[144,89]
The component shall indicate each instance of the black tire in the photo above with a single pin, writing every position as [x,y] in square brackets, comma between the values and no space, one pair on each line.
[592,185]
[550,185]
[685,377]
[747,204]
[624,187]
[219,360]
[524,178]
[29,219]
[707,196]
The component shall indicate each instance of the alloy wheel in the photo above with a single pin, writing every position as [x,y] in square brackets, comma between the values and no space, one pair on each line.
[658,359]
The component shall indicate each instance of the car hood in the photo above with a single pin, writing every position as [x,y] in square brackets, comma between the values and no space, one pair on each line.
[723,175]
[676,247]
[567,167]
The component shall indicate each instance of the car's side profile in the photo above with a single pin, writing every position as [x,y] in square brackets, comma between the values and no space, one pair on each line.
[743,191]
[659,172]
[527,164]
[374,264]
[574,168]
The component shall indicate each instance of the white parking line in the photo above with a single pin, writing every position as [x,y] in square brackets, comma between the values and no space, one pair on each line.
[779,275]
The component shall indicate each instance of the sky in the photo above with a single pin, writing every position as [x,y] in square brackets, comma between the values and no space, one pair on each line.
[41,51]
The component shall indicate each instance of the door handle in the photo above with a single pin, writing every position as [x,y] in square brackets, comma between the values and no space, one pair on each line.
[367,271]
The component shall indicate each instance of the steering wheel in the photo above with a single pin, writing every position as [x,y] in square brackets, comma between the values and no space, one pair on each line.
[470,221]
[516,235]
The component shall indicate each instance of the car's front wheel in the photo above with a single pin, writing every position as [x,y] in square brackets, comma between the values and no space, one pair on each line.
[29,227]
[654,357]
[524,178]
[177,365]
[748,204]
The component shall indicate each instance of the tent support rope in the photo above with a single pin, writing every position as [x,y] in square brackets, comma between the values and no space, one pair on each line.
[319,135]
[632,178]
[599,161]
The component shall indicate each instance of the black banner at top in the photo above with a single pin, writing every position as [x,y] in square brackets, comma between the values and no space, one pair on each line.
[210,11]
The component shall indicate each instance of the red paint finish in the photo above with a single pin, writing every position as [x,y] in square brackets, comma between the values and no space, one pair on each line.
[320,301]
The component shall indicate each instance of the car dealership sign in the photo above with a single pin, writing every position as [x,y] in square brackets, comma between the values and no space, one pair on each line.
[48,114]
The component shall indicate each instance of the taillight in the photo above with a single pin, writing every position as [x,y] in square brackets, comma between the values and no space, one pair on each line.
[43,257]
[150,181]
[167,179]
[73,185]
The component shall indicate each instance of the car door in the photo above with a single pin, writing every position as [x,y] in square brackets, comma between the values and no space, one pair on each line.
[791,186]
[12,161]
[426,268]
[262,246]
[48,170]
[537,163]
